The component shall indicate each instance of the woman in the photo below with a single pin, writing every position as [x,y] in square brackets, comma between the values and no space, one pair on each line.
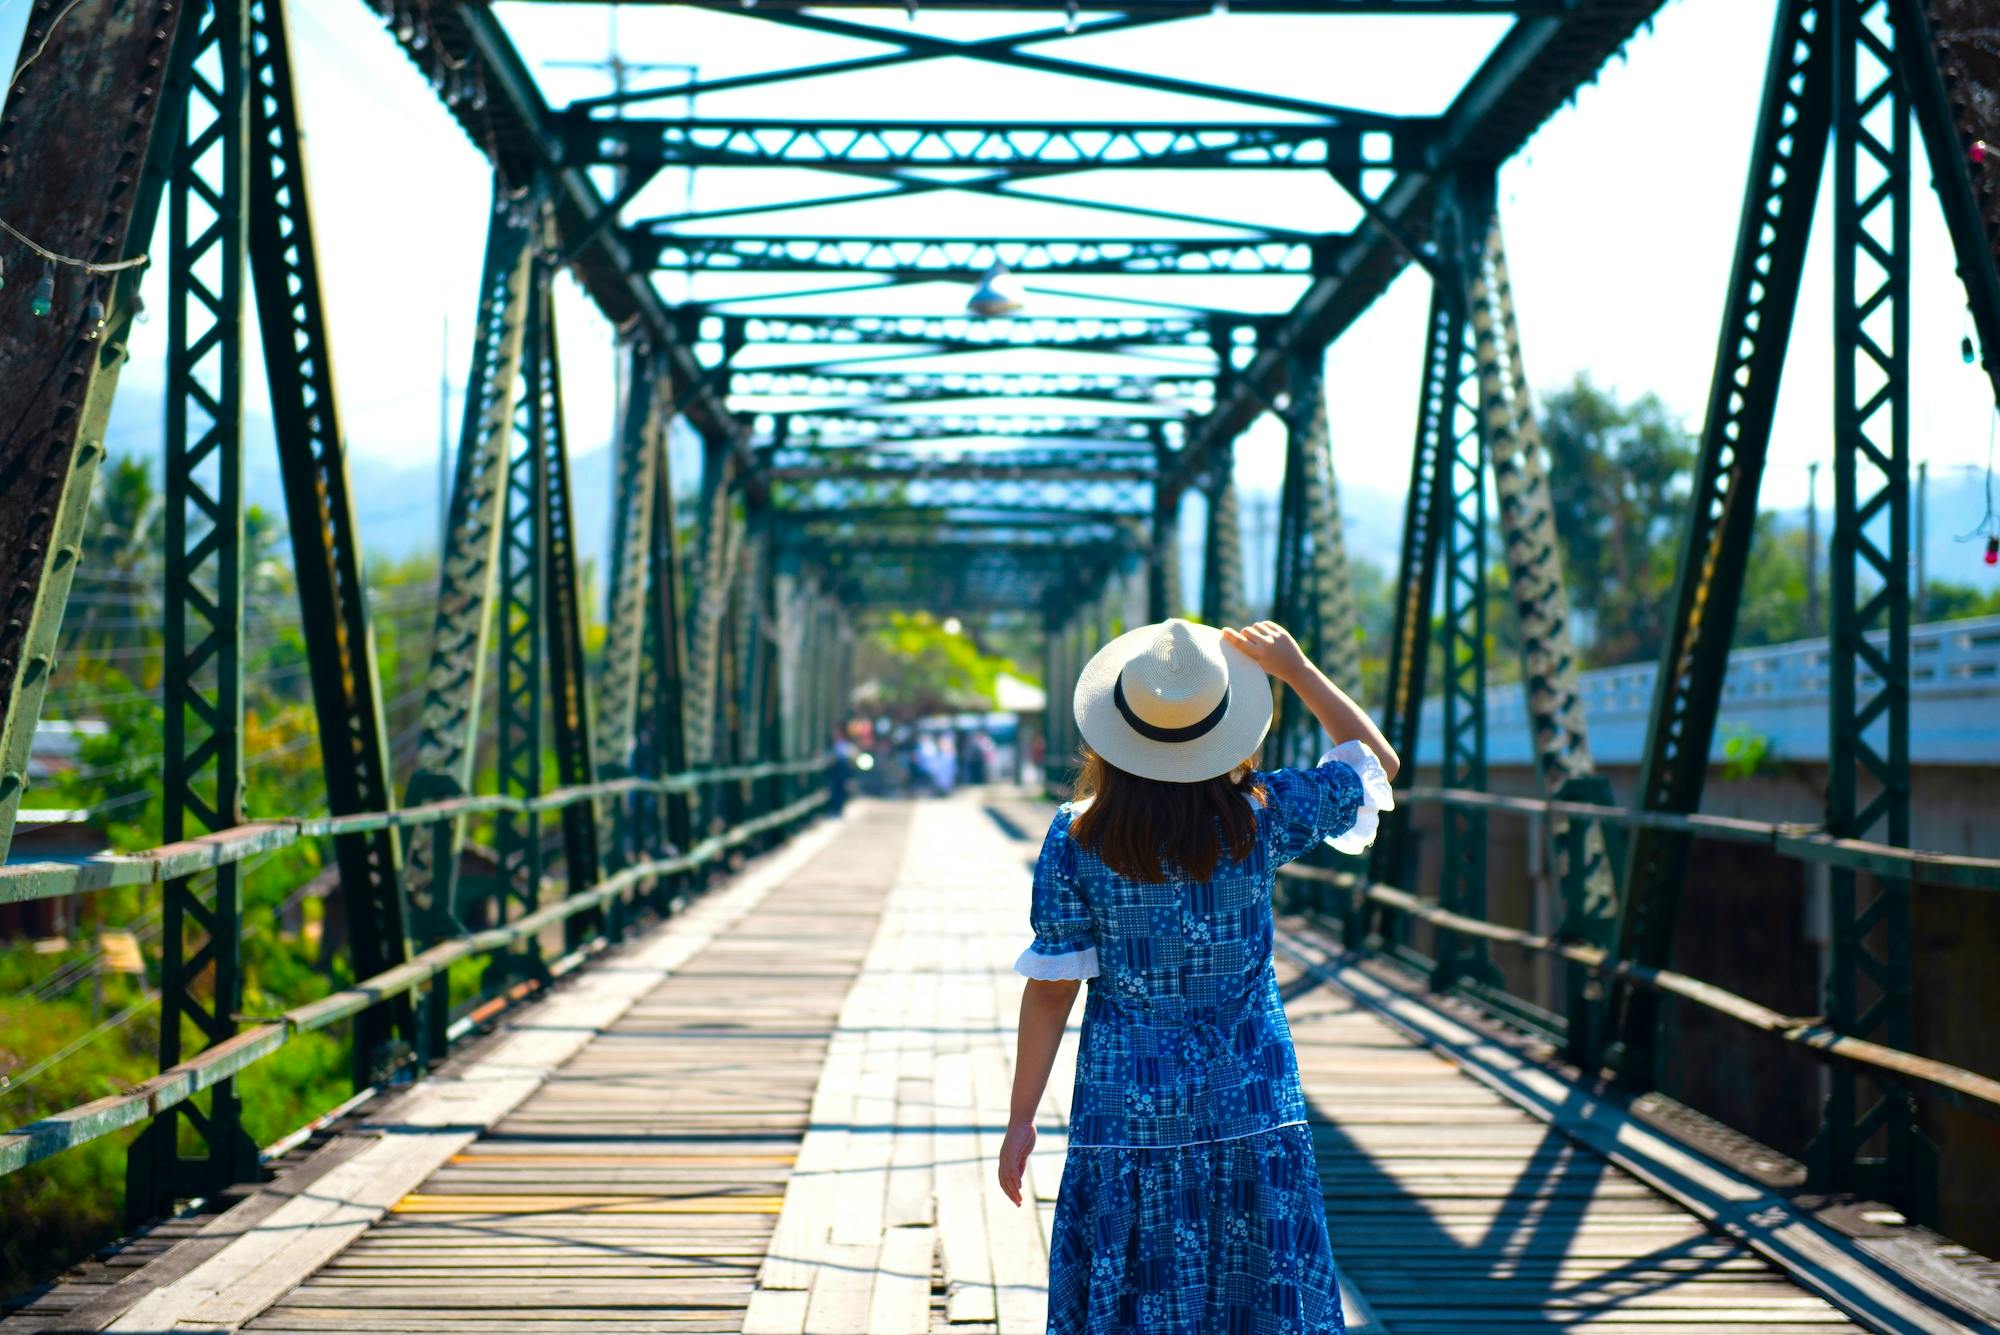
[1190,1200]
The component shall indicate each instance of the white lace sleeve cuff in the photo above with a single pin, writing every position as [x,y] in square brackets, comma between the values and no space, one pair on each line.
[1072,965]
[1376,795]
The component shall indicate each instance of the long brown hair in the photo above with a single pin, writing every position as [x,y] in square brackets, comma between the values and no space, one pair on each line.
[1147,829]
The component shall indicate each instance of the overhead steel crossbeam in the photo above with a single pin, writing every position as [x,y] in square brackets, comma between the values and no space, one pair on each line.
[1177,8]
[487,87]
[818,431]
[962,258]
[961,332]
[860,491]
[1533,70]
[795,465]
[1062,146]
[942,387]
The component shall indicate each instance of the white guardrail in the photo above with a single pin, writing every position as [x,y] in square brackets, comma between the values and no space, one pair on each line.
[1777,694]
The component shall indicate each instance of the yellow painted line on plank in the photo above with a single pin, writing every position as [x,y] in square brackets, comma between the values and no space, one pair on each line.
[626,1160]
[425,1203]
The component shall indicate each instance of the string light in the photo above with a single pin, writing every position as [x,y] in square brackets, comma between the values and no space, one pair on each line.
[1988,526]
[1966,352]
[1979,152]
[44,299]
[1069,16]
[93,318]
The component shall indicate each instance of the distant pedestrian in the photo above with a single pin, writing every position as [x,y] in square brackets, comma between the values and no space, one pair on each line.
[838,773]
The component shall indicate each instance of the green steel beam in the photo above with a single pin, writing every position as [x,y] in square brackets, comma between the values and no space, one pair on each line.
[1788,155]
[916,259]
[1063,146]
[562,617]
[201,979]
[523,615]
[1461,959]
[1868,1140]
[643,417]
[1426,510]
[319,508]
[88,186]
[453,686]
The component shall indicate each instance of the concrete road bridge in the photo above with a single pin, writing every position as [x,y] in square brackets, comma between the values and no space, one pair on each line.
[639,1035]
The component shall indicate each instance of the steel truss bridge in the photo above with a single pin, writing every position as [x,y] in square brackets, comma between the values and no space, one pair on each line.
[857,459]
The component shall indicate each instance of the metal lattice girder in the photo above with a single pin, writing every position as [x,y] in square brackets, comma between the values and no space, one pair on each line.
[1079,464]
[1787,158]
[817,430]
[1336,627]
[661,721]
[641,431]
[714,578]
[897,390]
[449,725]
[965,332]
[1032,148]
[1462,469]
[88,186]
[319,507]
[1426,511]
[486,86]
[1222,600]
[1096,496]
[202,779]
[562,613]
[913,259]
[1868,1139]
[1179,8]
[1532,71]
[520,701]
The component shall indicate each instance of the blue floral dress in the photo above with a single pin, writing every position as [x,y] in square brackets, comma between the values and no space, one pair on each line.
[1190,1199]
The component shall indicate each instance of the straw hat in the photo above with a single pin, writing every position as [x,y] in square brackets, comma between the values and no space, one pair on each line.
[1172,701]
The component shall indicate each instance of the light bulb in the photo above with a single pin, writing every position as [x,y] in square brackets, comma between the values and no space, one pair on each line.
[1979,152]
[1069,16]
[1966,351]
[93,318]
[44,299]
[1993,550]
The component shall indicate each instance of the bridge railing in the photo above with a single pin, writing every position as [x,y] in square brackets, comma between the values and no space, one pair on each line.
[778,781]
[1371,917]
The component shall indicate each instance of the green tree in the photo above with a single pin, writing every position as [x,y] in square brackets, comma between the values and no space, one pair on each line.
[912,666]
[1618,478]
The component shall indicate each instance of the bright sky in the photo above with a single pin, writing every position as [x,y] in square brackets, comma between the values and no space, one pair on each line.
[1620,214]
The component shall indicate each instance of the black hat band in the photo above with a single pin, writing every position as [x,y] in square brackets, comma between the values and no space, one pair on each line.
[1158,734]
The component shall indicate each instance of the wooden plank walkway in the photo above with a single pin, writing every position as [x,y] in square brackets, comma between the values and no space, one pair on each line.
[782,1116]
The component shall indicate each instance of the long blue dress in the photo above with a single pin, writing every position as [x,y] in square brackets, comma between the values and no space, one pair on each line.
[1190,1201]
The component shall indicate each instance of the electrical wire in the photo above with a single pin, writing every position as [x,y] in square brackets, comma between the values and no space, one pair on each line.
[10,1084]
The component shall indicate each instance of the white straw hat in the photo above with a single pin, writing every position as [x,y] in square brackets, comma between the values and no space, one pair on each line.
[1173,701]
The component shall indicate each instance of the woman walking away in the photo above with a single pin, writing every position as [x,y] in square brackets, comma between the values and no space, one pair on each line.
[1190,1201]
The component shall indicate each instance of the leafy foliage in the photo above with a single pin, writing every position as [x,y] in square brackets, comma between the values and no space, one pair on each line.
[913,665]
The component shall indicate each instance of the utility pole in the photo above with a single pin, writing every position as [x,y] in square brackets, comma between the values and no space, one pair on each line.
[1920,612]
[1812,549]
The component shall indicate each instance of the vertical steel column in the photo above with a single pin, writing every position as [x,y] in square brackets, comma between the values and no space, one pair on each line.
[326,549]
[714,572]
[85,185]
[1787,158]
[1425,512]
[662,712]
[1320,603]
[1163,554]
[1222,563]
[1868,1141]
[447,742]
[1541,607]
[523,644]
[562,610]
[1462,873]
[627,623]
[202,771]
